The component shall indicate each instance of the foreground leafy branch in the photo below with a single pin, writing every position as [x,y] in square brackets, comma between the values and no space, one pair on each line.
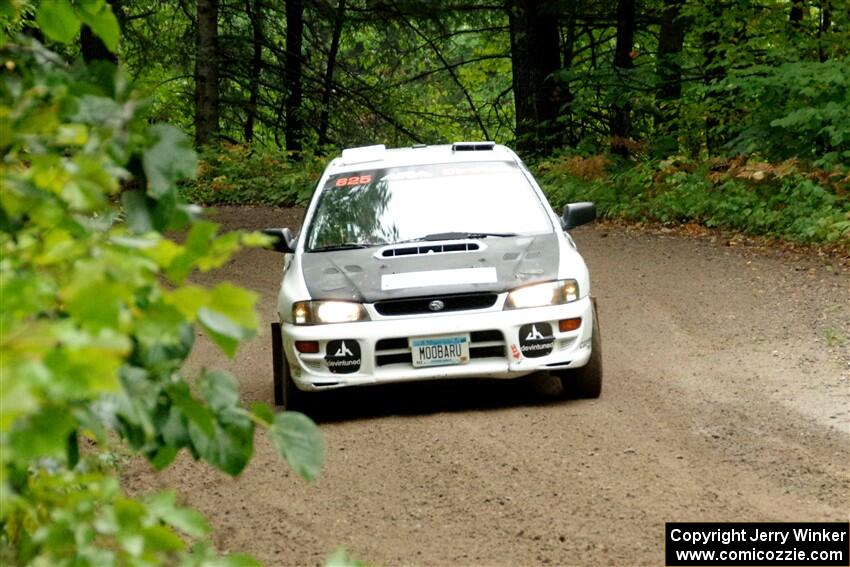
[97,319]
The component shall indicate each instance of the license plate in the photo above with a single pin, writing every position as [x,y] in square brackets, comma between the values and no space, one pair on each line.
[439,351]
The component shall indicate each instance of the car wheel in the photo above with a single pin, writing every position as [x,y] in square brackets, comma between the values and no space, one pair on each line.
[586,382]
[286,393]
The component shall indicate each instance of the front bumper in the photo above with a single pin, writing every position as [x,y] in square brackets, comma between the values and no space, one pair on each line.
[495,346]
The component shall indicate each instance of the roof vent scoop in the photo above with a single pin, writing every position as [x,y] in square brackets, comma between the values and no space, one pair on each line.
[473,146]
[364,154]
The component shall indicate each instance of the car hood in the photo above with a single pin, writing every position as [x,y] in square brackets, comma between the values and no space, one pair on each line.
[500,264]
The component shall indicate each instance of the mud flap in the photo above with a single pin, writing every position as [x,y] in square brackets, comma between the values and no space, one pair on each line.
[595,313]
[277,363]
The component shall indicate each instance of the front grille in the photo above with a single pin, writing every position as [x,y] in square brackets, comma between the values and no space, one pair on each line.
[482,344]
[391,344]
[415,305]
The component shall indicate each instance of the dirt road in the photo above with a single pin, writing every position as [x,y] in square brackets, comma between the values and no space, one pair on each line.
[726,398]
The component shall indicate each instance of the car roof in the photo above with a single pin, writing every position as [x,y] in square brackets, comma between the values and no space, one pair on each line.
[380,157]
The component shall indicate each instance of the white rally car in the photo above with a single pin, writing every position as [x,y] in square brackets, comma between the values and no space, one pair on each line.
[432,262]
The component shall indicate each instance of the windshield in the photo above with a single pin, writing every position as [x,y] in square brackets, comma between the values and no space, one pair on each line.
[385,206]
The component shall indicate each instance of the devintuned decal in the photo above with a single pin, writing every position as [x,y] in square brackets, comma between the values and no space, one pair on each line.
[343,356]
[536,340]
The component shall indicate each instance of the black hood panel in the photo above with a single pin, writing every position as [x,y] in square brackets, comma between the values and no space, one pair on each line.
[356,275]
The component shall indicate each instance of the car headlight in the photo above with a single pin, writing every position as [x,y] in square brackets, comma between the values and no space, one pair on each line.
[538,295]
[316,312]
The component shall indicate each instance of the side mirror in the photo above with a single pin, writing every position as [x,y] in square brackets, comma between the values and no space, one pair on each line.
[576,214]
[283,242]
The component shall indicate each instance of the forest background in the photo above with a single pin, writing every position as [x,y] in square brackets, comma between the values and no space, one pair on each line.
[726,114]
[732,114]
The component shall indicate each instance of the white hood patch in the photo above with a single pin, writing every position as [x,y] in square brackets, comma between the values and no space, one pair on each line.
[430,278]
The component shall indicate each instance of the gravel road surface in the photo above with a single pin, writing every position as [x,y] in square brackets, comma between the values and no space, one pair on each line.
[727,386]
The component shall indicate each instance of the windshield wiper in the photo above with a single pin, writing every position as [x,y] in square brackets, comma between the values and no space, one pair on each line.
[343,246]
[459,235]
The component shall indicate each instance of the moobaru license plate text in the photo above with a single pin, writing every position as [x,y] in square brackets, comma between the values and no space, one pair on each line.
[438,351]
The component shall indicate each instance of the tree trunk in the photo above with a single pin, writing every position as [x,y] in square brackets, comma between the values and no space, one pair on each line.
[796,15]
[292,75]
[329,74]
[621,122]
[568,50]
[206,73]
[714,58]
[92,47]
[669,72]
[535,57]
[593,43]
[823,27]
[255,14]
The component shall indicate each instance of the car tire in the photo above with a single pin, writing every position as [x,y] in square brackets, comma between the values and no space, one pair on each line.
[287,396]
[586,382]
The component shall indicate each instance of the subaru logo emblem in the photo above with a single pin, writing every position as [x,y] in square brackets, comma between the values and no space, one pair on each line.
[436,305]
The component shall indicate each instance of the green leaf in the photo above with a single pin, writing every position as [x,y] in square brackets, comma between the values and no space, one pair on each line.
[162,335]
[19,390]
[136,208]
[160,538]
[57,20]
[72,135]
[263,412]
[168,160]
[340,558]
[188,300]
[44,434]
[90,424]
[104,24]
[222,330]
[8,9]
[197,244]
[175,430]
[100,110]
[231,444]
[229,317]
[223,434]
[257,239]
[90,6]
[188,521]
[219,390]
[164,506]
[236,303]
[233,560]
[199,237]
[299,442]
[164,456]
[219,251]
[96,305]
[195,412]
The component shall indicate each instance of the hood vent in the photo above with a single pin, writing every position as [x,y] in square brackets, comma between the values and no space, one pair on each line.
[429,249]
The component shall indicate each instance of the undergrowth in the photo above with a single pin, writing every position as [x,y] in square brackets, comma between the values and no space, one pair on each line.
[240,175]
[782,200]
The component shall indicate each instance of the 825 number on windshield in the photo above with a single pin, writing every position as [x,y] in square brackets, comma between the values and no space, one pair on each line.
[356,180]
